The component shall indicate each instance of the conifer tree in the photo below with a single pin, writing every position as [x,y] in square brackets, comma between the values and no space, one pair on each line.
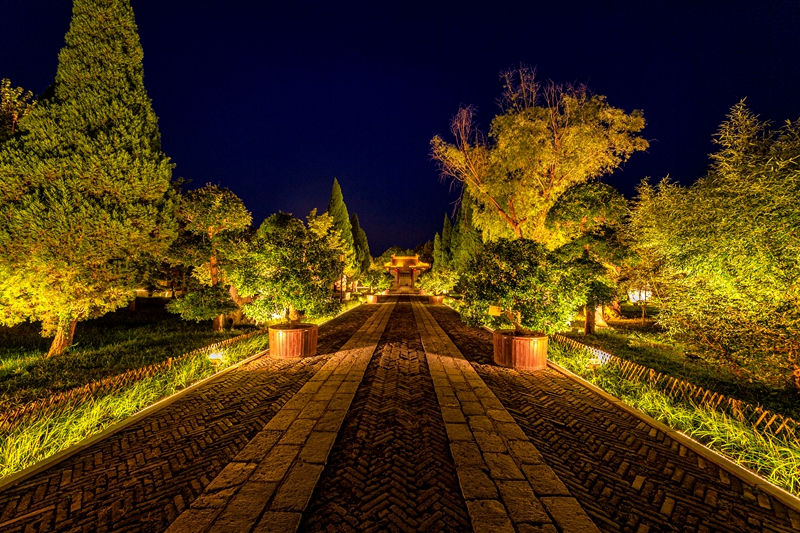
[363,257]
[446,240]
[437,251]
[85,191]
[466,241]
[341,221]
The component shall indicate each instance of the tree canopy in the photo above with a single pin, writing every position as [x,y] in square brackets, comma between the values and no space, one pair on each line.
[15,104]
[85,189]
[341,222]
[212,217]
[724,253]
[290,268]
[546,140]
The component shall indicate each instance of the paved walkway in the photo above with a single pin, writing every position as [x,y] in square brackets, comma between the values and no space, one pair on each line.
[401,424]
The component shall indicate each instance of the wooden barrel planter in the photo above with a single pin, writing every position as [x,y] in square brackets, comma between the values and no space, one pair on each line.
[523,352]
[436,300]
[372,298]
[290,341]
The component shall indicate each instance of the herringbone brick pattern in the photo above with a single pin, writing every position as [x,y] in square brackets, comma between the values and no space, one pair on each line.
[391,468]
[141,478]
[628,476]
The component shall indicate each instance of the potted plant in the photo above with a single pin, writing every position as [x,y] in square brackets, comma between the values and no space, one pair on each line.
[376,280]
[531,294]
[288,272]
[437,283]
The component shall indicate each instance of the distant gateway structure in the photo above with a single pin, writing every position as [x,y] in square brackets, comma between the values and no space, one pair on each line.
[405,269]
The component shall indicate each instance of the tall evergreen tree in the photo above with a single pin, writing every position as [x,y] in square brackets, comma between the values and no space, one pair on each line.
[466,241]
[85,190]
[341,221]
[437,251]
[447,234]
[363,257]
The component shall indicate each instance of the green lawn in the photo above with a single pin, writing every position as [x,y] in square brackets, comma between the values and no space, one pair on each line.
[103,347]
[647,345]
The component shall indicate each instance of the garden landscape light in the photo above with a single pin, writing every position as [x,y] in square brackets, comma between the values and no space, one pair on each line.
[216,359]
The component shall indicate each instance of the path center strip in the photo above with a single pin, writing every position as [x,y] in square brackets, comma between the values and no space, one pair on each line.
[270,482]
[503,477]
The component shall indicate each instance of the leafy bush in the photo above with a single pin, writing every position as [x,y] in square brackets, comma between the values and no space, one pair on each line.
[438,281]
[536,291]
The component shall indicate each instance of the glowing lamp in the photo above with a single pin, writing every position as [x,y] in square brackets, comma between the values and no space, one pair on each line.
[216,359]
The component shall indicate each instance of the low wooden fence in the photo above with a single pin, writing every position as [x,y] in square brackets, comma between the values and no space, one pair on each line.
[67,399]
[761,420]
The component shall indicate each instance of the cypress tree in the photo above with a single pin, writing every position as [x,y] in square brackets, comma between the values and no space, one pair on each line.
[363,256]
[437,252]
[447,233]
[466,241]
[85,190]
[341,221]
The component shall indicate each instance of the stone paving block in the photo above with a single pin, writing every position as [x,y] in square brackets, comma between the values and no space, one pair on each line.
[502,466]
[340,401]
[348,387]
[511,431]
[283,419]
[466,396]
[214,500]
[568,515]
[544,481]
[544,528]
[489,516]
[466,454]
[279,523]
[490,442]
[317,447]
[299,400]
[298,432]
[331,421]
[245,508]
[475,484]
[259,446]
[458,432]
[525,452]
[276,464]
[480,423]
[233,475]
[314,409]
[296,490]
[193,520]
[521,502]
[311,387]
[453,415]
[500,415]
[473,409]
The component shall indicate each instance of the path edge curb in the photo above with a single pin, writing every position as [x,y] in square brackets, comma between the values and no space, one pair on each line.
[27,472]
[786,498]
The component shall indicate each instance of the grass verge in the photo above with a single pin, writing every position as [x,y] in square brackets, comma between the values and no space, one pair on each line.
[63,425]
[772,457]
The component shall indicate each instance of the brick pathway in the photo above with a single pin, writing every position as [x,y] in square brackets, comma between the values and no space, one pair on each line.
[628,476]
[401,424]
[143,477]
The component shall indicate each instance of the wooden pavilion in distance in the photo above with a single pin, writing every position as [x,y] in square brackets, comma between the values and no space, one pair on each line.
[406,270]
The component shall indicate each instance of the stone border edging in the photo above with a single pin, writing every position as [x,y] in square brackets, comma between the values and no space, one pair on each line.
[27,472]
[786,498]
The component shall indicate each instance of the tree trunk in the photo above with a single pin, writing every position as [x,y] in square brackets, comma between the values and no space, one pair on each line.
[132,305]
[64,336]
[219,323]
[644,313]
[294,315]
[589,321]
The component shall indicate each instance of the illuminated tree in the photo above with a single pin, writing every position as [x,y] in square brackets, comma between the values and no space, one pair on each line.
[725,251]
[341,221]
[290,268]
[466,241]
[545,141]
[85,190]
[213,217]
[15,104]
[363,257]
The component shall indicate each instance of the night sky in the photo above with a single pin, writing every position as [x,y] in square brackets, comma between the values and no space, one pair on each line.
[275,99]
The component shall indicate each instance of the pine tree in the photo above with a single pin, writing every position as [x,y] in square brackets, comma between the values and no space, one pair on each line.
[341,221]
[363,257]
[85,190]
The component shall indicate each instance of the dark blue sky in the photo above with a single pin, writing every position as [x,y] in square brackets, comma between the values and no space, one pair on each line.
[275,99]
